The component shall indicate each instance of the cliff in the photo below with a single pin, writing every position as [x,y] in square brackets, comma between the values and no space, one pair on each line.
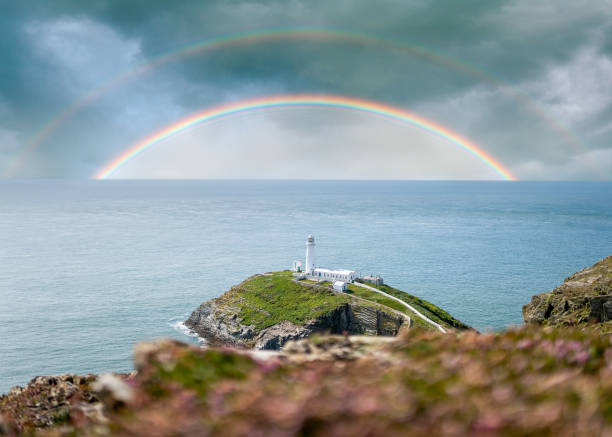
[584,299]
[265,311]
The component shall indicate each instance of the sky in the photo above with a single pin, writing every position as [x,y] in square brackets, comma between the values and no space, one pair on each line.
[529,82]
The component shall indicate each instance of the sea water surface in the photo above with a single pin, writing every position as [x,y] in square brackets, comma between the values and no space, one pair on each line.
[89,268]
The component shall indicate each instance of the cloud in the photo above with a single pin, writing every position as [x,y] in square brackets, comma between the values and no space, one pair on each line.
[576,90]
[578,167]
[9,143]
[83,53]
[554,52]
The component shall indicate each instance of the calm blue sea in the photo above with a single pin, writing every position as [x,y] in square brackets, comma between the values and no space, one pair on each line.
[88,268]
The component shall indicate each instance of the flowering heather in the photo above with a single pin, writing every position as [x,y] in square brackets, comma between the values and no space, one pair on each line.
[521,382]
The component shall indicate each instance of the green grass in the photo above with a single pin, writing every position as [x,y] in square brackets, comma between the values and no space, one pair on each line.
[265,300]
[372,296]
[428,309]
[269,299]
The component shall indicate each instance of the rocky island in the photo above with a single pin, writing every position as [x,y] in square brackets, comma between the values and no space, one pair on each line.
[267,310]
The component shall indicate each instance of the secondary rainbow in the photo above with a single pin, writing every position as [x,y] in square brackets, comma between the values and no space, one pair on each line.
[284,35]
[304,100]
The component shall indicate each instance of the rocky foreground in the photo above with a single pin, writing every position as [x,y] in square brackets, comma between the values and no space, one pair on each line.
[531,381]
[265,311]
[552,377]
[584,299]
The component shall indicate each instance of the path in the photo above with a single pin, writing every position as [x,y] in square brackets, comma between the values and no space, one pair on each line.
[411,308]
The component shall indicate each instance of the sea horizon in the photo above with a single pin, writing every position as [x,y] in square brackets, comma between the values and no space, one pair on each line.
[89,268]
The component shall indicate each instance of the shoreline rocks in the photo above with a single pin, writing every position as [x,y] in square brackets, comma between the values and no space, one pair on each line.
[223,326]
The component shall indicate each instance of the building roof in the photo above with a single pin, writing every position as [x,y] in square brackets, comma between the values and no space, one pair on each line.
[336,272]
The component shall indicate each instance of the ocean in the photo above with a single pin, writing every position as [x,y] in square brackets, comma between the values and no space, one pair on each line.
[89,268]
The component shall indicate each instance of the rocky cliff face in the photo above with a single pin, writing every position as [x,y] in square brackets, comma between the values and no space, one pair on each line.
[584,298]
[267,310]
[219,324]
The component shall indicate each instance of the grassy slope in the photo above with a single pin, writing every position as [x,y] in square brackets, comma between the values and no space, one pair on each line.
[426,308]
[268,299]
[265,300]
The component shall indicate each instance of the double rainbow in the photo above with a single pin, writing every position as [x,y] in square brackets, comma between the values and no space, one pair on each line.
[285,35]
[304,100]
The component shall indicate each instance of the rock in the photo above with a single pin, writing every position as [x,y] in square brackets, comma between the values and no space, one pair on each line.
[47,400]
[583,298]
[277,335]
[217,326]
[112,389]
[601,308]
[334,348]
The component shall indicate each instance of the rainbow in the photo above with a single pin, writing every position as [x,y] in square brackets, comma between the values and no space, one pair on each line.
[282,35]
[303,100]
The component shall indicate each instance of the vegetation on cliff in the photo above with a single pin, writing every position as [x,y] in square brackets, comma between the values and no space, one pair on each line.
[531,381]
[426,308]
[266,300]
[584,299]
[265,311]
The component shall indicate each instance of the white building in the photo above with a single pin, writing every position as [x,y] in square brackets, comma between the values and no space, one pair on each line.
[339,286]
[334,275]
[318,273]
[370,279]
[297,266]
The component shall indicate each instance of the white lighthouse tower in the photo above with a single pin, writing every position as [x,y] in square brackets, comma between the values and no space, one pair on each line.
[310,255]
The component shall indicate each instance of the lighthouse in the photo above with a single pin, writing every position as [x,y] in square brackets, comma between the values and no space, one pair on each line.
[310,254]
[317,273]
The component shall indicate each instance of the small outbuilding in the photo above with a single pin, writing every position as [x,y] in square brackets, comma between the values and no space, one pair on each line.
[339,285]
[370,279]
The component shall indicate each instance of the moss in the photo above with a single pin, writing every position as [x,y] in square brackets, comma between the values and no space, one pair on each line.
[548,298]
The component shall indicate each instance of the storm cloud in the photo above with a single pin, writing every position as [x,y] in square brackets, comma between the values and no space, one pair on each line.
[531,83]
